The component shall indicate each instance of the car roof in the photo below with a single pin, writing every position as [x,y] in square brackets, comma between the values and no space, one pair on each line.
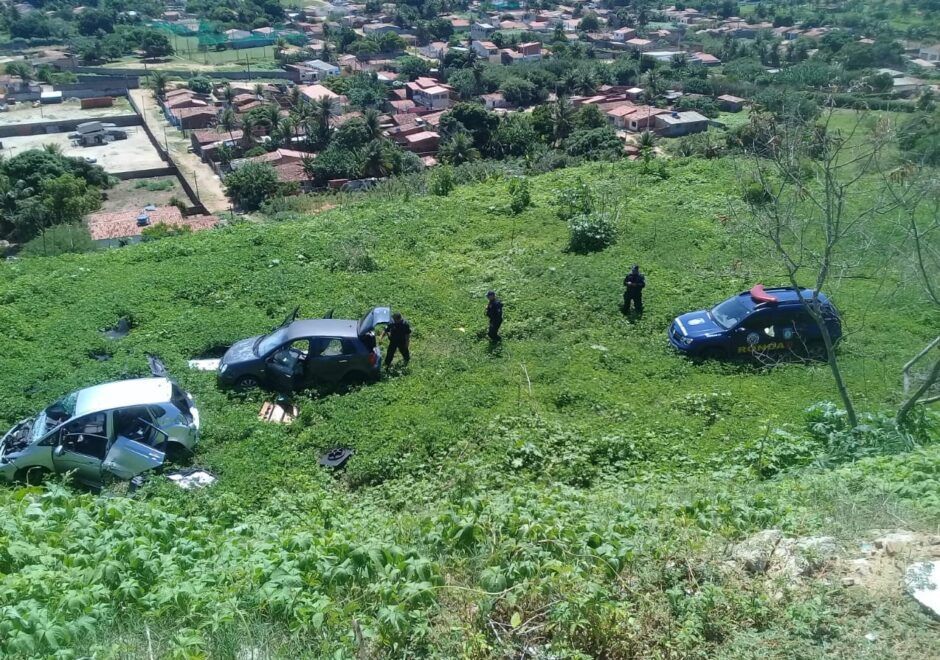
[121,394]
[322,328]
[786,296]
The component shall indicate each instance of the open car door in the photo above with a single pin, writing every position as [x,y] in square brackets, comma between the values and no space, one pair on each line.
[127,458]
[377,316]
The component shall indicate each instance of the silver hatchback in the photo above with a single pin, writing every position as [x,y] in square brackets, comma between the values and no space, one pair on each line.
[118,429]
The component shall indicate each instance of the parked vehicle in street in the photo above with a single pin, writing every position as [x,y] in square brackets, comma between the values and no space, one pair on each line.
[302,353]
[759,321]
[114,430]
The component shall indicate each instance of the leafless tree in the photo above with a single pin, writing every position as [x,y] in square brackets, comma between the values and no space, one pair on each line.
[810,192]
[915,188]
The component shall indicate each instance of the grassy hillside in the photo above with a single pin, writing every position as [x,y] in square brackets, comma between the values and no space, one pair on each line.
[568,491]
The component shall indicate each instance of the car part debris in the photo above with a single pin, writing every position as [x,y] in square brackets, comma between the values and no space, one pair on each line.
[923,583]
[191,478]
[205,365]
[119,330]
[336,457]
[280,411]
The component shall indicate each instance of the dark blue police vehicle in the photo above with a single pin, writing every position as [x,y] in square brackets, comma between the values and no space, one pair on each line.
[759,321]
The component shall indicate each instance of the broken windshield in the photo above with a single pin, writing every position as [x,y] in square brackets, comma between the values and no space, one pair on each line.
[268,343]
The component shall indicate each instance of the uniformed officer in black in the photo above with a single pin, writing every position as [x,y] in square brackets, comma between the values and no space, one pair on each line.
[634,283]
[399,338]
[494,312]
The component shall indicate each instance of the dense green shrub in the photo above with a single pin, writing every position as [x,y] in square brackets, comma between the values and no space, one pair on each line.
[60,239]
[590,233]
[442,181]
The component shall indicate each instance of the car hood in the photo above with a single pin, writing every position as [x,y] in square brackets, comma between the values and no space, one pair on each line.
[241,351]
[698,324]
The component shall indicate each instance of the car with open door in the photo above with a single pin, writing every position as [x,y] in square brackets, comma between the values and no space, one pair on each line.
[303,353]
[114,430]
[756,322]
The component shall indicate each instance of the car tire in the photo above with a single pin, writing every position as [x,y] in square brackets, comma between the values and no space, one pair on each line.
[712,353]
[32,476]
[246,383]
[177,453]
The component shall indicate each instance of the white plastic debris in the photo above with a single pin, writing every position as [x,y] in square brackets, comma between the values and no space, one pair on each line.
[204,365]
[190,479]
[923,583]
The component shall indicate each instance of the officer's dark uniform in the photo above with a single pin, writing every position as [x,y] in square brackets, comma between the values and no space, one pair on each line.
[399,336]
[494,312]
[634,283]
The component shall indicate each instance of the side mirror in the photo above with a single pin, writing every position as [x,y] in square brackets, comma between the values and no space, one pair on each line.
[58,451]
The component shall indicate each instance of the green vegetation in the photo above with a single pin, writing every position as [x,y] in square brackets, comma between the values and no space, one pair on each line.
[41,188]
[570,490]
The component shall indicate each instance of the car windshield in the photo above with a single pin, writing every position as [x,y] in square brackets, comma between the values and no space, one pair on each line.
[269,342]
[729,313]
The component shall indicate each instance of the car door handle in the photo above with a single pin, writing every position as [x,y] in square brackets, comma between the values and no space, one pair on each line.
[342,361]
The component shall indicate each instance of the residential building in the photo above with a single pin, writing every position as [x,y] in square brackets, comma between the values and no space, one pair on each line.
[706,59]
[929,53]
[314,70]
[641,45]
[494,101]
[318,92]
[643,119]
[481,30]
[380,28]
[531,51]
[730,103]
[623,34]
[618,116]
[236,35]
[674,124]
[433,98]
[487,50]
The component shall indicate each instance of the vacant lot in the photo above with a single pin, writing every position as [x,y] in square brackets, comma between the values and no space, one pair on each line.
[130,155]
[134,193]
[25,113]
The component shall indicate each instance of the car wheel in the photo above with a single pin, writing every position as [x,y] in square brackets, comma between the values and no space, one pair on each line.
[712,353]
[32,476]
[177,453]
[246,383]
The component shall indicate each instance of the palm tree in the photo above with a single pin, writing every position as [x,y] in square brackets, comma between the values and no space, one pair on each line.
[228,93]
[286,129]
[370,119]
[318,127]
[647,145]
[562,116]
[158,82]
[52,148]
[279,47]
[272,115]
[375,160]
[228,121]
[459,149]
[259,91]
[249,124]
[225,155]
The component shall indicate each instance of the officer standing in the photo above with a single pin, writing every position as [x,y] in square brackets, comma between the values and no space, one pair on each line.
[399,337]
[634,283]
[494,312]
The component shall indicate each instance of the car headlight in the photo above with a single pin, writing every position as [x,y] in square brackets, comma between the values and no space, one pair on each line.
[685,340]
[223,367]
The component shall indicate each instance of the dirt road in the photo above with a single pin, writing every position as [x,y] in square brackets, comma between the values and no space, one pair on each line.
[199,175]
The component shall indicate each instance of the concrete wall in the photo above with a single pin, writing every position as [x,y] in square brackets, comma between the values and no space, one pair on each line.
[65,125]
[186,73]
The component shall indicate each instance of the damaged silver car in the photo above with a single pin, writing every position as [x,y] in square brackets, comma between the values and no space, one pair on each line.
[115,430]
